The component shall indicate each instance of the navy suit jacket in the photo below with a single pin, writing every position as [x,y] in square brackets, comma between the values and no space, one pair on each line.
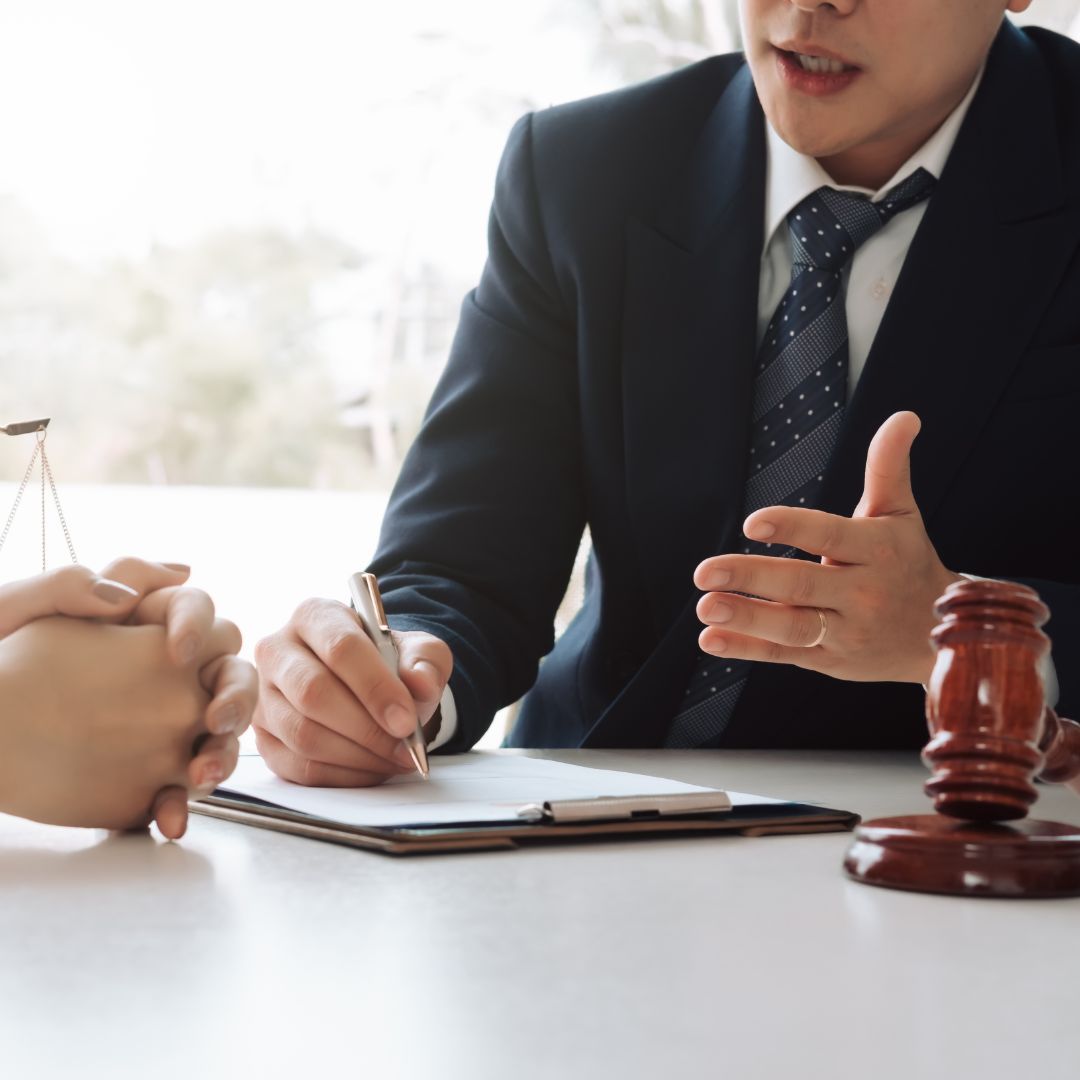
[602,375]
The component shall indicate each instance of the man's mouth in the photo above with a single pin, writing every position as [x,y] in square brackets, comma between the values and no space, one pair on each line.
[820,65]
[813,58]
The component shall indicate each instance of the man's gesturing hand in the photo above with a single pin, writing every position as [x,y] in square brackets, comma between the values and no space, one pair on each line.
[330,713]
[875,585]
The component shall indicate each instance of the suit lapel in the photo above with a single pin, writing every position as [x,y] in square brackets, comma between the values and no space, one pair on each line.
[689,333]
[689,338]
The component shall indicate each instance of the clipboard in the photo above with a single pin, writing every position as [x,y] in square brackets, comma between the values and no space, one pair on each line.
[566,821]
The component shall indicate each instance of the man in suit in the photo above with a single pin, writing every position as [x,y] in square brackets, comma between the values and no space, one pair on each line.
[658,350]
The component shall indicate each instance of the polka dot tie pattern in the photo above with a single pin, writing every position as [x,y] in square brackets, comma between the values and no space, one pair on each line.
[800,391]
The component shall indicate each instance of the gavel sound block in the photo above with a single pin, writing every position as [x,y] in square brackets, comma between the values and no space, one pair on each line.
[991,734]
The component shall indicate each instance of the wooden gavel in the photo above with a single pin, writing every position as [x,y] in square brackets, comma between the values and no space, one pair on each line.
[991,735]
[991,731]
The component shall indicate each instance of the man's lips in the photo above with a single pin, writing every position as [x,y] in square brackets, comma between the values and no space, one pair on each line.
[816,76]
[816,58]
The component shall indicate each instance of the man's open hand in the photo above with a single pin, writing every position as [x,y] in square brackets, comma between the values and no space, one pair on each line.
[875,585]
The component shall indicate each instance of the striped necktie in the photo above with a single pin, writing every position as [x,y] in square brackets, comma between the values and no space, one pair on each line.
[800,390]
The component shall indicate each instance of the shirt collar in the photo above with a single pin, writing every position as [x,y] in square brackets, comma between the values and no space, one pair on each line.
[791,176]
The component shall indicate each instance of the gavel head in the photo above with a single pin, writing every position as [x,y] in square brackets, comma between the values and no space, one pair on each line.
[985,701]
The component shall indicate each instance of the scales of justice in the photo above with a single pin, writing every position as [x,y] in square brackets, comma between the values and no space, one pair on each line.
[991,734]
[37,428]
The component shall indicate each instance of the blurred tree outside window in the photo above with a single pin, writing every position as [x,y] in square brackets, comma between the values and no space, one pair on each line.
[234,237]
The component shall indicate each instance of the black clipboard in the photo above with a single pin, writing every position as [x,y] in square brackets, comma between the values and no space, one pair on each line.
[612,818]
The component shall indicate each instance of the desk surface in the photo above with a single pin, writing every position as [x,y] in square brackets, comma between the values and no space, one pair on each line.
[244,952]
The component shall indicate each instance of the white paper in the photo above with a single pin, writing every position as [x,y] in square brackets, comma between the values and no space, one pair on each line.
[463,788]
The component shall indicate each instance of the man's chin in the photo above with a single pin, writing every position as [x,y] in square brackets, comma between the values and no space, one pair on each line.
[812,140]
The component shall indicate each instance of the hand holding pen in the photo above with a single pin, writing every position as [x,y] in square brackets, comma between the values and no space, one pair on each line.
[368,605]
[328,715]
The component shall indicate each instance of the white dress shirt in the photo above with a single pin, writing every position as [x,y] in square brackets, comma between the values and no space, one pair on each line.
[872,274]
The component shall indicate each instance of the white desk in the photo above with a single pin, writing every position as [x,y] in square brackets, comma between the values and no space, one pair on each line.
[248,954]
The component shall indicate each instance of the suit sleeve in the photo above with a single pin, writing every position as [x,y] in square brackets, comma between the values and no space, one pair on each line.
[485,519]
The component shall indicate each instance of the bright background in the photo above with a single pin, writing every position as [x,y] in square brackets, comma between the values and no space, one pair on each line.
[234,237]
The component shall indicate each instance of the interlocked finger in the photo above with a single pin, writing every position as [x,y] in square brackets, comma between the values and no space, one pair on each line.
[215,760]
[146,577]
[191,627]
[234,686]
[170,811]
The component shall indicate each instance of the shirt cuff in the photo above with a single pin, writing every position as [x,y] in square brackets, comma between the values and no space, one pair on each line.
[448,728]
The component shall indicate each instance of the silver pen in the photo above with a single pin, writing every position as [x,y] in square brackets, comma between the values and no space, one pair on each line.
[368,605]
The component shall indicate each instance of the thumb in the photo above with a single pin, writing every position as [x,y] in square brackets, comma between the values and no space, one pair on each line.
[887,487]
[424,666]
[140,578]
[72,590]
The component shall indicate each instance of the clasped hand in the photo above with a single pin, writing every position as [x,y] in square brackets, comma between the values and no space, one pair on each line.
[121,721]
[875,585]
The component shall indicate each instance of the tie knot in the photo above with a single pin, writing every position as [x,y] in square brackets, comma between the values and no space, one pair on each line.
[828,226]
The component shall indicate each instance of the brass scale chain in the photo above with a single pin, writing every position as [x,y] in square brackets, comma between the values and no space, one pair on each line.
[37,428]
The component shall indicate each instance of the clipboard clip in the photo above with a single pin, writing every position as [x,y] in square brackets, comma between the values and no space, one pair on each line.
[624,807]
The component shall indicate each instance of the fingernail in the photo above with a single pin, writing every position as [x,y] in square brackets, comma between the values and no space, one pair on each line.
[721,612]
[179,567]
[761,530]
[719,578]
[113,592]
[399,721]
[226,719]
[211,775]
[188,648]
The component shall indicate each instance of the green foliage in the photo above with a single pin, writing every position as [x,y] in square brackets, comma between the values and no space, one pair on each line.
[232,359]
[200,365]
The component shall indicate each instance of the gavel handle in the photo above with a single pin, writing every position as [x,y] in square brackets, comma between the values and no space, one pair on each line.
[1060,745]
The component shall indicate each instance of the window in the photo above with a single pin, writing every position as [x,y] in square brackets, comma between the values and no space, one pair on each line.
[233,241]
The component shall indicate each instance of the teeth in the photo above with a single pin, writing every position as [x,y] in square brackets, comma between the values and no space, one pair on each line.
[820,65]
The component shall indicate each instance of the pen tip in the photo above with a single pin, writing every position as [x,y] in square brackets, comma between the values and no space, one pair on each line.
[419,758]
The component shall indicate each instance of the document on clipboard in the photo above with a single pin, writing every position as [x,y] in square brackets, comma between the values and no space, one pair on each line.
[493,800]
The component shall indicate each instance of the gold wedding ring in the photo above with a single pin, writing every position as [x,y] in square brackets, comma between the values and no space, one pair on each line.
[822,632]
